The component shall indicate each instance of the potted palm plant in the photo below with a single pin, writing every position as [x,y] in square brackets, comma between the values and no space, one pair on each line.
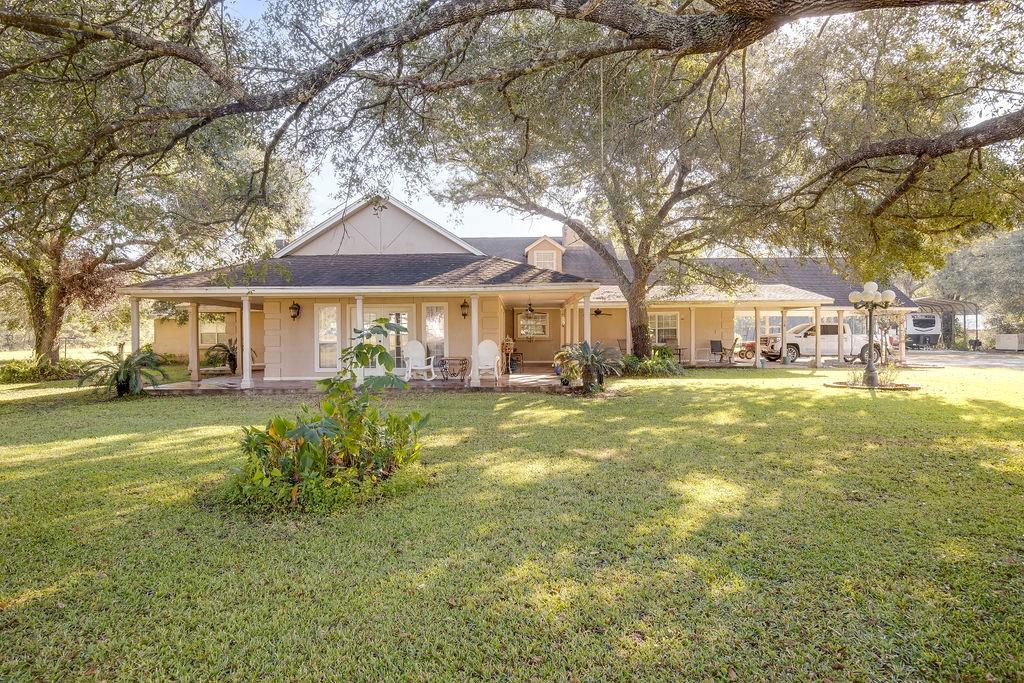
[225,353]
[123,373]
[592,362]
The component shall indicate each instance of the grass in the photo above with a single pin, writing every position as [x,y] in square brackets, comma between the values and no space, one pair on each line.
[730,524]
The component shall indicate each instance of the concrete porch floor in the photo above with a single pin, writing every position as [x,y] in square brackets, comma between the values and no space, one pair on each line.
[231,384]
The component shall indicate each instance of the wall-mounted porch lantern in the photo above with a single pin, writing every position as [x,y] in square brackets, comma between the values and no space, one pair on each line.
[294,310]
[464,307]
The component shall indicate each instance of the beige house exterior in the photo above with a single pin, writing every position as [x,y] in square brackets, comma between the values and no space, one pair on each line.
[380,258]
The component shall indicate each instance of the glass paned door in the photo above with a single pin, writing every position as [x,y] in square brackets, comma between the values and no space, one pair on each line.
[434,329]
[395,343]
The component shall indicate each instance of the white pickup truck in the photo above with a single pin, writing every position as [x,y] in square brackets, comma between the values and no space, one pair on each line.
[800,342]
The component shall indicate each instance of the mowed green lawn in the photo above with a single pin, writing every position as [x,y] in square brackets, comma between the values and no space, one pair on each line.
[730,525]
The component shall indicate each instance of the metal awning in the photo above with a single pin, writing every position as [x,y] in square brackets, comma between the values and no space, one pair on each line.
[955,307]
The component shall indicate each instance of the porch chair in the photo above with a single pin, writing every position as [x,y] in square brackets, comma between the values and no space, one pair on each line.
[718,349]
[417,361]
[488,359]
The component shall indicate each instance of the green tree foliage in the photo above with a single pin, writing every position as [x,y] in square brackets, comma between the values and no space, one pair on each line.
[990,273]
[672,158]
[78,230]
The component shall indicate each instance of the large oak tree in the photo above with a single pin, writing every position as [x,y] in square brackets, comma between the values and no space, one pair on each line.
[322,76]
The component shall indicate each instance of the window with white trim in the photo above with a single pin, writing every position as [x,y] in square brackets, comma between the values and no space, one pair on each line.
[532,326]
[545,259]
[435,323]
[664,328]
[326,320]
[213,329]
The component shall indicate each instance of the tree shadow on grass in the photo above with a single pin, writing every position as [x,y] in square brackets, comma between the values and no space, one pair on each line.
[672,532]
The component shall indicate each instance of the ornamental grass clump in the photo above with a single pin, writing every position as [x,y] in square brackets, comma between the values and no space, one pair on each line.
[343,451]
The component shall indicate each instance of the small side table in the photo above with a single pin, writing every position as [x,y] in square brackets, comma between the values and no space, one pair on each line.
[453,367]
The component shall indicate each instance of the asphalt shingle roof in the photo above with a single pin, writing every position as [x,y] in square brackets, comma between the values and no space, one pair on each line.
[372,270]
[578,260]
[804,274]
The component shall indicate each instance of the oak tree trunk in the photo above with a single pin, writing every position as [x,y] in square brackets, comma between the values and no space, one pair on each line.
[636,300]
[47,306]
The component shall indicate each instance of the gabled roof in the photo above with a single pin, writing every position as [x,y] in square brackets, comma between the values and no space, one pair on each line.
[356,207]
[370,270]
[545,238]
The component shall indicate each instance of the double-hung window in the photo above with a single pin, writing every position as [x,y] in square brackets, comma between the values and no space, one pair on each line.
[212,330]
[326,320]
[544,259]
[664,328]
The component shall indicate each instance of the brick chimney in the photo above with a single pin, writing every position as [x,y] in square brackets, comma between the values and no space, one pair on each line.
[570,239]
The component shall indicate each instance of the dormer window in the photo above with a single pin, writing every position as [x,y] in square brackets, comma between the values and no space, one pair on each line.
[545,259]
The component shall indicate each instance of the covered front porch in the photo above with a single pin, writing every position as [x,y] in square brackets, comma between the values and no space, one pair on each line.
[287,340]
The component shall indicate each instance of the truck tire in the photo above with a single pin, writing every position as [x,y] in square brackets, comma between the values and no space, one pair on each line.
[792,352]
[864,353]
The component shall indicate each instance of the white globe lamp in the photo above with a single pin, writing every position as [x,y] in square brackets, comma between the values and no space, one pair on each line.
[870,299]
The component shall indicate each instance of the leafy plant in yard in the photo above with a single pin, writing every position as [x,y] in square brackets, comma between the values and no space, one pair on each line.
[593,360]
[123,373]
[634,366]
[225,353]
[39,370]
[344,451]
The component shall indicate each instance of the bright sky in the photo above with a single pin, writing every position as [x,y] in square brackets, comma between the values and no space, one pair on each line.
[470,221]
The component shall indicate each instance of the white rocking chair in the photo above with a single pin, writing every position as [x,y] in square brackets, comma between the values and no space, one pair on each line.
[417,361]
[488,359]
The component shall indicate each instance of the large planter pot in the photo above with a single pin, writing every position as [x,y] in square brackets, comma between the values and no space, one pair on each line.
[123,387]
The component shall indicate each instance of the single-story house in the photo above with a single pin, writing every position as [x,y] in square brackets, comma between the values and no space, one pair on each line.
[380,258]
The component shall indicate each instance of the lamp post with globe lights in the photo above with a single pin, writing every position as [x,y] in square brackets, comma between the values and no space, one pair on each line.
[870,299]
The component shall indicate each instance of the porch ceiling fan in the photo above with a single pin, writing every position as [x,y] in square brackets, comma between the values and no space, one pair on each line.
[597,312]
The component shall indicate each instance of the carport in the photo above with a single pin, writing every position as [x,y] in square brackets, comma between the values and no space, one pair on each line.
[954,307]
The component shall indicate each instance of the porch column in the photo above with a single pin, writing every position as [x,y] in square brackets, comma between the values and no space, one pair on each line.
[817,336]
[629,332]
[757,335]
[842,336]
[246,344]
[586,318]
[903,337]
[782,336]
[562,326]
[693,336]
[134,303]
[193,341]
[358,325]
[573,321]
[474,336]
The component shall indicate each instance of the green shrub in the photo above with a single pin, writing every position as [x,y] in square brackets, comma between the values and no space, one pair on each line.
[39,370]
[633,366]
[345,451]
[590,362]
[123,373]
[662,353]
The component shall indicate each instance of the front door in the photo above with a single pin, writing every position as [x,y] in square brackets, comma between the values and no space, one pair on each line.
[395,343]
